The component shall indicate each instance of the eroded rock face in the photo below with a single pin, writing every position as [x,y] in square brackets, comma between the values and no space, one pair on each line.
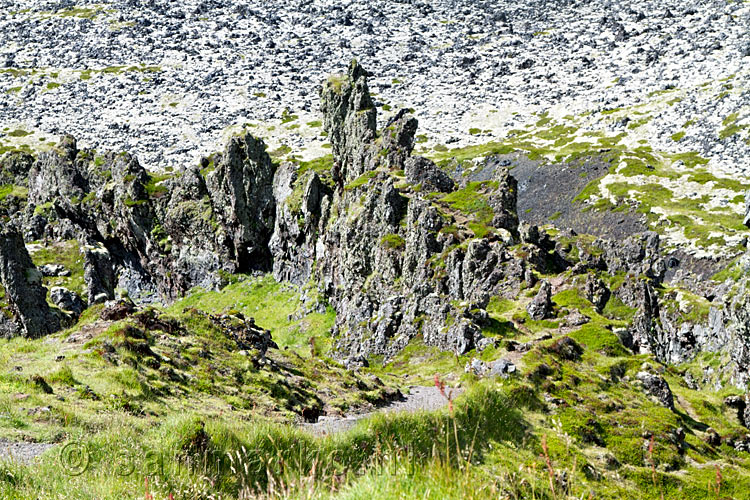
[350,119]
[241,192]
[24,291]
[669,324]
[299,205]
[155,239]
[56,176]
[374,235]
[728,330]
[14,168]
[596,292]
[8,327]
[377,253]
[425,173]
[99,274]
[637,254]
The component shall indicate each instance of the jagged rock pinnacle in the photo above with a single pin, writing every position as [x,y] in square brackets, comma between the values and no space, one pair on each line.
[23,285]
[350,118]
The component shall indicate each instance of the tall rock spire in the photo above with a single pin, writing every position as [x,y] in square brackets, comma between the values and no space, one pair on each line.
[22,281]
[350,119]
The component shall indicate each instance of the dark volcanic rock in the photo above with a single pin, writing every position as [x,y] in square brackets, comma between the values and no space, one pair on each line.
[396,260]
[547,191]
[53,270]
[566,348]
[350,119]
[67,300]
[298,210]
[248,336]
[156,239]
[117,309]
[424,172]
[98,274]
[638,254]
[656,386]
[540,306]
[241,191]
[371,244]
[14,168]
[23,287]
[596,292]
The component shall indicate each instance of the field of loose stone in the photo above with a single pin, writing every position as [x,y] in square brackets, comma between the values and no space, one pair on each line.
[168,81]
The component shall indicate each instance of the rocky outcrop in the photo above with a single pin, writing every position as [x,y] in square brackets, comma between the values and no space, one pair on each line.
[98,273]
[350,120]
[25,294]
[53,270]
[14,168]
[219,219]
[637,255]
[596,292]
[249,337]
[656,387]
[727,330]
[540,306]
[300,198]
[566,348]
[241,193]
[67,300]
[676,325]
[424,173]
[156,238]
[504,201]
[376,248]
[396,246]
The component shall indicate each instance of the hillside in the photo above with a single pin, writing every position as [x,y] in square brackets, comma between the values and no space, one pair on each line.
[358,298]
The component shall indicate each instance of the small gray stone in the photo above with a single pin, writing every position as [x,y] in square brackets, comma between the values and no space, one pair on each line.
[421,171]
[476,366]
[502,368]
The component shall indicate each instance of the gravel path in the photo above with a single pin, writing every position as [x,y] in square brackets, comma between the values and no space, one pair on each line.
[419,398]
[22,452]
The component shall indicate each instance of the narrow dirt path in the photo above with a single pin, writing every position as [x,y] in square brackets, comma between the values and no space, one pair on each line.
[419,398]
[22,452]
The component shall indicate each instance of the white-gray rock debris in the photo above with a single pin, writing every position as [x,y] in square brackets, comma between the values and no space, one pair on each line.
[164,79]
